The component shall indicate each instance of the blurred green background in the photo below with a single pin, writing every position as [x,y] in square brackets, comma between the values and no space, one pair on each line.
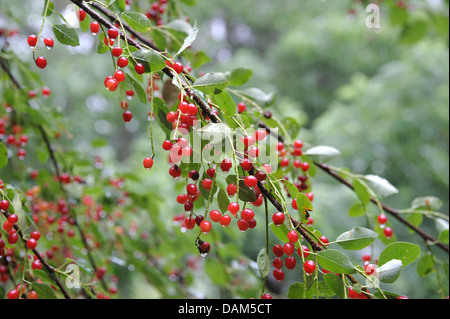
[380,97]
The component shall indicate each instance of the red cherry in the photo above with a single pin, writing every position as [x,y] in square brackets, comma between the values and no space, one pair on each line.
[247,214]
[382,219]
[305,166]
[31,243]
[278,250]
[139,68]
[189,222]
[113,33]
[32,40]
[122,62]
[13,294]
[112,84]
[205,226]
[95,27]
[35,235]
[290,262]
[226,165]
[278,274]
[119,75]
[225,220]
[251,181]
[231,190]
[277,263]
[370,269]
[116,51]
[127,116]
[148,163]
[233,208]
[8,226]
[305,252]
[167,145]
[41,62]
[45,91]
[298,144]
[13,218]
[13,238]
[388,232]
[266,296]
[309,266]
[36,264]
[215,215]
[293,236]
[4,205]
[242,225]
[191,189]
[178,67]
[241,107]
[278,218]
[49,43]
[324,240]
[207,184]
[81,14]
[289,248]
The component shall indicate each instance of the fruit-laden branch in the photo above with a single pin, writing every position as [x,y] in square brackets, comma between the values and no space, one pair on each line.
[428,238]
[140,45]
[206,111]
[387,209]
[56,166]
[38,255]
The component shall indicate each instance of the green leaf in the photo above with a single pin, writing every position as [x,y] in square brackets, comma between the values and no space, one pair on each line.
[357,238]
[225,103]
[261,98]
[361,191]
[50,8]
[443,229]
[66,35]
[188,40]
[405,252]
[222,200]
[322,152]
[299,291]
[152,60]
[263,262]
[240,76]
[137,88]
[390,271]
[425,265]
[291,188]
[427,203]
[413,32]
[280,232]
[44,291]
[291,125]
[380,186]
[3,155]
[137,21]
[213,268]
[335,261]
[357,209]
[335,283]
[246,194]
[179,25]
[161,109]
[117,5]
[211,83]
[304,206]
[189,2]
